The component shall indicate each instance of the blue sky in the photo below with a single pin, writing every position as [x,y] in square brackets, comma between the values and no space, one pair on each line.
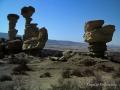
[64,19]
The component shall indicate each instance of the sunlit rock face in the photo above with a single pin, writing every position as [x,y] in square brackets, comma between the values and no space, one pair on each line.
[37,41]
[97,36]
[34,37]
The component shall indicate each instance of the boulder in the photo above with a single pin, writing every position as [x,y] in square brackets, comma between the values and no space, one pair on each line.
[14,45]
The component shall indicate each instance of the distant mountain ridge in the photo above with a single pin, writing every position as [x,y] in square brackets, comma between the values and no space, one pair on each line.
[50,42]
[68,45]
[3,35]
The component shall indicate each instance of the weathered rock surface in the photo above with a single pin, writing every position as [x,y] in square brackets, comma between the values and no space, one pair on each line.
[97,36]
[38,41]
[90,25]
[34,38]
[2,47]
[95,32]
[12,23]
[14,45]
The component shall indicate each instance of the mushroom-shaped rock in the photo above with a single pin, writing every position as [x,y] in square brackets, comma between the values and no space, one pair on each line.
[27,12]
[13,18]
[91,25]
[97,36]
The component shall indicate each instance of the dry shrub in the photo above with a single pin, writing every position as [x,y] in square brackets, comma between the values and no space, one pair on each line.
[105,68]
[21,69]
[77,73]
[47,74]
[116,74]
[66,85]
[66,74]
[5,78]
[88,62]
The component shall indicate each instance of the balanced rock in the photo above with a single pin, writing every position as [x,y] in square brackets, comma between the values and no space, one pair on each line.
[97,36]
[27,12]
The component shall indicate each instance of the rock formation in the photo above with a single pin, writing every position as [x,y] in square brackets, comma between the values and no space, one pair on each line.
[27,12]
[34,38]
[13,44]
[97,36]
[12,23]
[2,47]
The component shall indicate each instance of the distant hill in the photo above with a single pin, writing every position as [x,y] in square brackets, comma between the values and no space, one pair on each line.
[3,35]
[63,45]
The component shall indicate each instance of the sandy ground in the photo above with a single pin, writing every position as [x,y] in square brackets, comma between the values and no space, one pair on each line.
[87,69]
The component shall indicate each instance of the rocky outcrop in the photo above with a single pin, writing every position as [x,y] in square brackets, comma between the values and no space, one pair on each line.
[14,44]
[2,47]
[37,41]
[97,36]
[34,38]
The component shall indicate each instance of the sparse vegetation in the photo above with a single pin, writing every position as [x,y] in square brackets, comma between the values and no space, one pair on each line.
[77,73]
[14,60]
[105,68]
[47,74]
[66,85]
[5,78]
[66,74]
[88,72]
[88,62]
[20,69]
[116,74]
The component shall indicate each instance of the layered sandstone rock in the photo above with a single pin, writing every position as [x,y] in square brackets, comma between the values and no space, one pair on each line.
[97,36]
[13,44]
[37,41]
[34,38]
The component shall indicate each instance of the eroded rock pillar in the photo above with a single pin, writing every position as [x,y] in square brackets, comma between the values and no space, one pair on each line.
[97,36]
[13,18]
[27,12]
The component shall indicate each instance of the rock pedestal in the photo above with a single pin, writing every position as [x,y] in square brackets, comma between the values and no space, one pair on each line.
[97,49]
[12,23]
[27,12]
[34,38]
[97,36]
[14,44]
